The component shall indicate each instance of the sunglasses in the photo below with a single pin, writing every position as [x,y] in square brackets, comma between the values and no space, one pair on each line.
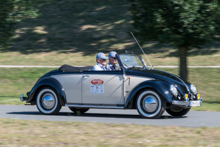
[114,58]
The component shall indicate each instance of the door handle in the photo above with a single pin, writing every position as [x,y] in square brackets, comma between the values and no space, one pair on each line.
[86,76]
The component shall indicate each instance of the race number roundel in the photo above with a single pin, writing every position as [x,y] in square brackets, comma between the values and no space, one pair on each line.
[97,82]
[97,86]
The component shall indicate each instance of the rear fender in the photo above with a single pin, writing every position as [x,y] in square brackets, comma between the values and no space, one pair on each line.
[51,82]
[159,86]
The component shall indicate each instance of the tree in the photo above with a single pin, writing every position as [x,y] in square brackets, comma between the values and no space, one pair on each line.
[11,13]
[181,23]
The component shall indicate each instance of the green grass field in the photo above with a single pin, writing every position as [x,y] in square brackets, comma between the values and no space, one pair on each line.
[15,81]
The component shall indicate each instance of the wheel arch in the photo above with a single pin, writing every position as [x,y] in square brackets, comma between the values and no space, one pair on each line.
[48,82]
[139,91]
[158,86]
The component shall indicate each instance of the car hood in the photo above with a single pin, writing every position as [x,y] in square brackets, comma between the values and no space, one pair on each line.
[161,75]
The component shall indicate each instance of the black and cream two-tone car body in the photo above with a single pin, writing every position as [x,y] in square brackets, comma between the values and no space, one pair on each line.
[133,86]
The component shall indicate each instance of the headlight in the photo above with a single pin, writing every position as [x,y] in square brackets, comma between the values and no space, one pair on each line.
[193,89]
[173,90]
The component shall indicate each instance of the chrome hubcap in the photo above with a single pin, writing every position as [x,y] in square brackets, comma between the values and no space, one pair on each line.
[48,101]
[150,103]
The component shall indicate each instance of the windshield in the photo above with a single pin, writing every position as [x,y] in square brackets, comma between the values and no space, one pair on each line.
[131,60]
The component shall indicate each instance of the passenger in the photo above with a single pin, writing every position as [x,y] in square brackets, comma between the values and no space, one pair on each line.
[101,62]
[112,65]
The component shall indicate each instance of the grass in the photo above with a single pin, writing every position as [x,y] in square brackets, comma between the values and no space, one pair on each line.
[42,133]
[16,81]
[73,32]
[20,80]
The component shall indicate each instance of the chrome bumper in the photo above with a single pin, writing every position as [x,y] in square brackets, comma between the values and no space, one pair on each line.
[22,98]
[185,103]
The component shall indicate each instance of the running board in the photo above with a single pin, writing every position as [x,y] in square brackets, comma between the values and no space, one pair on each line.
[95,106]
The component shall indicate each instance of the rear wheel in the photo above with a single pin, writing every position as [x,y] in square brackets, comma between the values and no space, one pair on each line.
[177,111]
[149,104]
[81,110]
[47,101]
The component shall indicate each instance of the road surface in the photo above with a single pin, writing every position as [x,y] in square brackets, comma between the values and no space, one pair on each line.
[192,119]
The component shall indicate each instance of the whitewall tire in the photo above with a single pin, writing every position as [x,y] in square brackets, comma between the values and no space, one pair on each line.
[47,101]
[149,104]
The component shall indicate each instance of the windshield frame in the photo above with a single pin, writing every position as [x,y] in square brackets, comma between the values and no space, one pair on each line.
[121,63]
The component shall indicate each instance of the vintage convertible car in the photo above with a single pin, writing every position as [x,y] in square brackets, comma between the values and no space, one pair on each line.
[133,86]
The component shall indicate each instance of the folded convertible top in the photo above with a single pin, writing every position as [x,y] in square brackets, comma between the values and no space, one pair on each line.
[69,68]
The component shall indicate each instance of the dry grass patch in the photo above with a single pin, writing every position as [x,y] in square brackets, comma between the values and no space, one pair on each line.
[41,133]
[70,56]
[85,27]
[40,30]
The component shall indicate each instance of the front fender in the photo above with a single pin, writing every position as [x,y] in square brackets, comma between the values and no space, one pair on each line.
[159,86]
[51,82]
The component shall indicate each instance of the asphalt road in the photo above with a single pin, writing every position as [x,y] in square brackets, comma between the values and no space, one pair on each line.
[192,119]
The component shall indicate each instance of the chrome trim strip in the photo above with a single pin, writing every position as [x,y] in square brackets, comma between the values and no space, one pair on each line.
[94,106]
[135,76]
[182,103]
[185,103]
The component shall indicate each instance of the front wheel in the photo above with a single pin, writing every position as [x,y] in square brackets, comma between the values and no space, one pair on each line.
[177,111]
[149,104]
[47,101]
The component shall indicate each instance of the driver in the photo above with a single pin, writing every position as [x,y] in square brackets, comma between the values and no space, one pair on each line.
[101,62]
[112,65]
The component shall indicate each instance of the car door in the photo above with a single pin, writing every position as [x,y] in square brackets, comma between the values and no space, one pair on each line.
[103,87]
